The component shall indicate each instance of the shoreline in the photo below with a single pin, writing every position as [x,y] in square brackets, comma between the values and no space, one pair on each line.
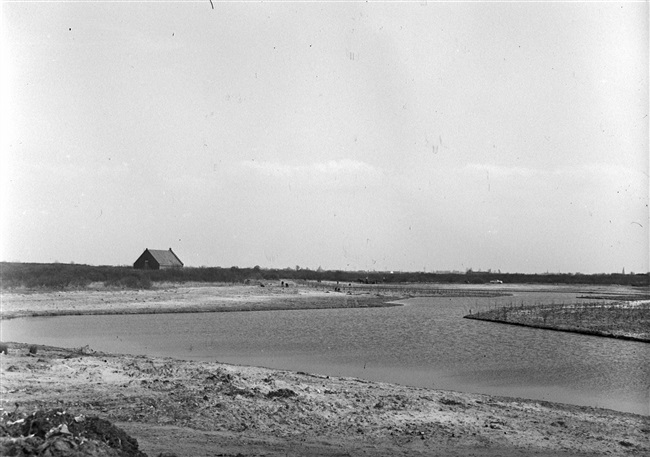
[183,299]
[202,408]
[580,331]
[199,408]
[190,310]
[264,296]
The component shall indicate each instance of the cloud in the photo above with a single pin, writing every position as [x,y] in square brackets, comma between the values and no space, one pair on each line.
[505,171]
[339,173]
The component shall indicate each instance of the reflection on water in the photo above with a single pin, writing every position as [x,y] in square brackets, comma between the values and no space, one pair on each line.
[426,344]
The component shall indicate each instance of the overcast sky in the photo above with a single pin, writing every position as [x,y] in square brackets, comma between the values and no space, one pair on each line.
[385,136]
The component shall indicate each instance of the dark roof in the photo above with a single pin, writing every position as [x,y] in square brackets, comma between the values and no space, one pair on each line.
[166,258]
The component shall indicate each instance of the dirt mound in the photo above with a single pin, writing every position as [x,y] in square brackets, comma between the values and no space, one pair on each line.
[57,433]
[281,393]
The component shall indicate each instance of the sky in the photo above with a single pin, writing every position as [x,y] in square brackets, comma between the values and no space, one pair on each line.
[413,136]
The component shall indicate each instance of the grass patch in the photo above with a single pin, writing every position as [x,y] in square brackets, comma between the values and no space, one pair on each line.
[617,319]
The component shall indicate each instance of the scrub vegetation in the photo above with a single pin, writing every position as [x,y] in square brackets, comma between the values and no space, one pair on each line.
[59,276]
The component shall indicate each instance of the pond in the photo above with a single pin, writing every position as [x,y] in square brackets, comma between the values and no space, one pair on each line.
[425,343]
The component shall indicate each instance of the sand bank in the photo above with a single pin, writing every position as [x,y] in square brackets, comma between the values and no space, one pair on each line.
[209,408]
[174,298]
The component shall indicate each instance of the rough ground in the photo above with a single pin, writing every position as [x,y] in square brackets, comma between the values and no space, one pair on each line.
[186,298]
[207,409]
[257,296]
[49,433]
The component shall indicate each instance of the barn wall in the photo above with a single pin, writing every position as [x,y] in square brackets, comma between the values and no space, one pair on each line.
[141,262]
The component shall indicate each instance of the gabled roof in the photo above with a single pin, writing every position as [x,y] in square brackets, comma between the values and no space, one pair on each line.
[166,258]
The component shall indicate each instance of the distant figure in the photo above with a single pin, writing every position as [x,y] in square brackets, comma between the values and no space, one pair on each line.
[282,284]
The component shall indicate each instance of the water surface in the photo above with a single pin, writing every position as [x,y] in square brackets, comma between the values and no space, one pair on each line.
[425,343]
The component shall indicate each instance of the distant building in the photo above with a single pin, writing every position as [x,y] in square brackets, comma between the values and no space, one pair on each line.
[156,259]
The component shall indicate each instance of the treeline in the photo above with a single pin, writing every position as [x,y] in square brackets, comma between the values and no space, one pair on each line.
[66,276]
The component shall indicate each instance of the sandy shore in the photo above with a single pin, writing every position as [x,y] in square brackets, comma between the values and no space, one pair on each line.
[173,298]
[258,296]
[208,408]
[202,408]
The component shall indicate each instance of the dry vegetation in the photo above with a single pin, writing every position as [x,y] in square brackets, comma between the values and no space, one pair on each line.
[16,275]
[621,319]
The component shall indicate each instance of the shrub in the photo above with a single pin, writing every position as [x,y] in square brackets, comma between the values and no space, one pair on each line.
[133,281]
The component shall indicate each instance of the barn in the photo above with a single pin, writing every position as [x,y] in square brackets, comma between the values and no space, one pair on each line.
[156,259]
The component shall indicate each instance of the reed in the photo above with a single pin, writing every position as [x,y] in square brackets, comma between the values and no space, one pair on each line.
[617,318]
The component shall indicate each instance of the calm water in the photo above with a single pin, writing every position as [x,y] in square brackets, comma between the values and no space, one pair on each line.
[425,343]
